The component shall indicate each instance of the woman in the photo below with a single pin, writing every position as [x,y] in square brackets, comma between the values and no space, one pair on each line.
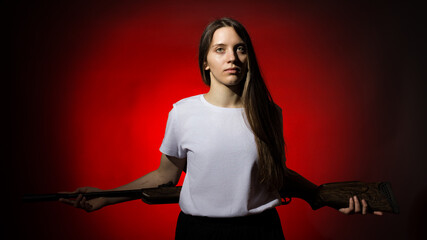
[230,143]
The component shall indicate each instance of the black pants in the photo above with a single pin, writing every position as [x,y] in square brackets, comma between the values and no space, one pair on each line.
[265,226]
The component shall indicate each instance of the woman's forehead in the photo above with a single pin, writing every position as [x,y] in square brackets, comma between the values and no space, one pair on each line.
[226,36]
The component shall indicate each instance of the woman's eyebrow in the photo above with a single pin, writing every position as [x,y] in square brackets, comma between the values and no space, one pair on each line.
[219,45]
[223,44]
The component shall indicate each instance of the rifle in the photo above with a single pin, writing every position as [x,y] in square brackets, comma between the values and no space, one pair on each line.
[378,195]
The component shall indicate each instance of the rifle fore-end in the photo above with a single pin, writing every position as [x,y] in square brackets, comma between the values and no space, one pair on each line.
[165,193]
[161,195]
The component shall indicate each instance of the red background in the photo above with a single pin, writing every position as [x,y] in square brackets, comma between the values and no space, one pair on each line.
[92,84]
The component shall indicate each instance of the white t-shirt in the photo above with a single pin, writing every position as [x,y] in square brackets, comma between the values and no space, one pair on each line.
[221,178]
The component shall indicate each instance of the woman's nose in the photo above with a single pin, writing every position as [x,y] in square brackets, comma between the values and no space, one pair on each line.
[231,56]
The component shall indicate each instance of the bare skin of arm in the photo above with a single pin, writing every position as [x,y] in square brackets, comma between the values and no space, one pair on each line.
[170,170]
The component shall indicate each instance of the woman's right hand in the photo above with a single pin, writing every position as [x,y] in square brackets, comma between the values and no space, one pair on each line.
[87,205]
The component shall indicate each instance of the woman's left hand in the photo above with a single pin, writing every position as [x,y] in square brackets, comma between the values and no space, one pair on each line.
[354,207]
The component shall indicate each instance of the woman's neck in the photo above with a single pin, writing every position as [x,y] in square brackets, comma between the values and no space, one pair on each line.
[225,96]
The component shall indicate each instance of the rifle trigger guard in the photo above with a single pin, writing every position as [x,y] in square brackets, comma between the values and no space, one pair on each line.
[286,200]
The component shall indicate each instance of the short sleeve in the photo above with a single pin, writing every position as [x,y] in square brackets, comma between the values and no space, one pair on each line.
[171,144]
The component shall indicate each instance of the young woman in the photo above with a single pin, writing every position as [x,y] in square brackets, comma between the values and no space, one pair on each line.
[230,143]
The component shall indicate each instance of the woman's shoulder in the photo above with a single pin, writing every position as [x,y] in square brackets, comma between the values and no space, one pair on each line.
[189,101]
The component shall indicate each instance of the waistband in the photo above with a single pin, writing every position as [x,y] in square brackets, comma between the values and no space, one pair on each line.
[265,216]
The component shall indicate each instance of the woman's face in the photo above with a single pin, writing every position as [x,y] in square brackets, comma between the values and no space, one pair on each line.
[227,59]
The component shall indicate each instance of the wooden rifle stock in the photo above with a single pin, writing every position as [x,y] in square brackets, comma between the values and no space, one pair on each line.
[378,195]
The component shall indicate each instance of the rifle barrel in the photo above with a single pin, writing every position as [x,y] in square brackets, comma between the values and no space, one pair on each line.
[136,193]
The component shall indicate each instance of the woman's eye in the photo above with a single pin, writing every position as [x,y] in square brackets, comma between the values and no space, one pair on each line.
[241,49]
[219,50]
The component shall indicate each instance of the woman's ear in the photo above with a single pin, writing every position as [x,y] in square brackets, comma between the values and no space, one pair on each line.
[206,66]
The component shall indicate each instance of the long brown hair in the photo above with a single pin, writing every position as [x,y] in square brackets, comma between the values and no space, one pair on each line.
[263,115]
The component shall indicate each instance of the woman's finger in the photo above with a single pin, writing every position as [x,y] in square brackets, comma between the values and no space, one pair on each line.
[77,201]
[378,213]
[350,207]
[364,207]
[356,204]
[83,203]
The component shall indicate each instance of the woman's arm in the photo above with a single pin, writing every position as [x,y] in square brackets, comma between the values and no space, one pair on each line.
[170,170]
[297,186]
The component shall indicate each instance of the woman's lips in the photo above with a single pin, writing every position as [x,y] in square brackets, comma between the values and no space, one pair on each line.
[232,70]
